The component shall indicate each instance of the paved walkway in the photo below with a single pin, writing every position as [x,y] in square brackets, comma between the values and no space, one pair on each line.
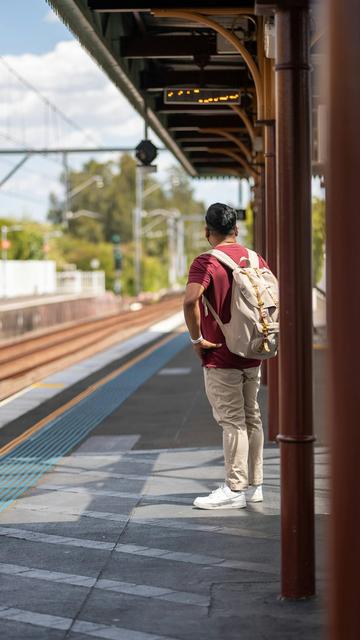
[108,544]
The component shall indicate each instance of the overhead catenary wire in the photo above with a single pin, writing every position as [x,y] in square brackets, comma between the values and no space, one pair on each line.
[35,172]
[44,156]
[10,194]
[46,100]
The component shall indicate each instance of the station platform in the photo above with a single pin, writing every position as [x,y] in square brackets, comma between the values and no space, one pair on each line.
[19,316]
[99,537]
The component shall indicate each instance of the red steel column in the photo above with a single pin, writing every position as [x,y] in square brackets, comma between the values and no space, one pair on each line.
[263,209]
[343,233]
[262,247]
[272,259]
[257,216]
[295,354]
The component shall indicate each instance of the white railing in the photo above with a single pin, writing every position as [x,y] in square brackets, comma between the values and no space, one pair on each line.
[88,282]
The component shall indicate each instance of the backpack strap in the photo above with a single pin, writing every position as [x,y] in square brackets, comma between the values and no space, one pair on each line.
[228,262]
[223,258]
[253,258]
[208,306]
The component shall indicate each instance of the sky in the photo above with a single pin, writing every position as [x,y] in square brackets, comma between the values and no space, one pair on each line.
[36,44]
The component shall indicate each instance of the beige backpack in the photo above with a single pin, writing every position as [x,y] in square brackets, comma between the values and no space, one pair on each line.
[253,329]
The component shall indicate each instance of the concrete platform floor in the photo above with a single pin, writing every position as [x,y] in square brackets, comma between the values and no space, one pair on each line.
[108,544]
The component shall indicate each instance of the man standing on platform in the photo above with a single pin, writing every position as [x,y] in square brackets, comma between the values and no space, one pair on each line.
[231,382]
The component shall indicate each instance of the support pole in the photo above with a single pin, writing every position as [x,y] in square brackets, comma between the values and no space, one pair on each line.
[256,210]
[259,213]
[262,249]
[343,232]
[272,259]
[295,355]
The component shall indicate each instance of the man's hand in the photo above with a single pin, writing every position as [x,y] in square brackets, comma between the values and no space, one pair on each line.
[205,345]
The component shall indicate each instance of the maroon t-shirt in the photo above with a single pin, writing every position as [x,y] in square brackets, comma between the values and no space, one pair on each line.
[217,281]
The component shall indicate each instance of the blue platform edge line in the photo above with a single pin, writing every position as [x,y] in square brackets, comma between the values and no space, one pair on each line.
[25,464]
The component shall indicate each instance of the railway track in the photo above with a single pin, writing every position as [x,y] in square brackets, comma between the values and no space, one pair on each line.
[28,360]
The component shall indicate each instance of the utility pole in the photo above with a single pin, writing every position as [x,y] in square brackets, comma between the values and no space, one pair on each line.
[116,240]
[172,252]
[180,247]
[66,204]
[137,217]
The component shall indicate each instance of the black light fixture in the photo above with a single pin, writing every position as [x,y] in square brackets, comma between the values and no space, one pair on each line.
[146,152]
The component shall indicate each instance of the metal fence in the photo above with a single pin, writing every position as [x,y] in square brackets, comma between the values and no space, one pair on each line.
[31,278]
[80,282]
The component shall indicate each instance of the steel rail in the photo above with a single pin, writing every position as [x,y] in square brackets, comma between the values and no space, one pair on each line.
[50,351]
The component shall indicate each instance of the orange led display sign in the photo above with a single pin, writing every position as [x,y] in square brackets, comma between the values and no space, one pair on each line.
[201,96]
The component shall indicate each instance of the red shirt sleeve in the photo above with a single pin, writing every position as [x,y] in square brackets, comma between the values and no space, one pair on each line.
[202,269]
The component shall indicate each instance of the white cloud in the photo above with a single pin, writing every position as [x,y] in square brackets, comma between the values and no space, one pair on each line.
[71,80]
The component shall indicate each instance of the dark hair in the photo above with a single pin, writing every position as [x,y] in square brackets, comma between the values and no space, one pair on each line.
[220,218]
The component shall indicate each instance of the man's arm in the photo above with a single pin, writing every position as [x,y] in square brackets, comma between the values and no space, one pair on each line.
[192,316]
[193,294]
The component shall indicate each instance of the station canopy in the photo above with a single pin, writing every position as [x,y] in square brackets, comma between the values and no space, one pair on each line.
[190,83]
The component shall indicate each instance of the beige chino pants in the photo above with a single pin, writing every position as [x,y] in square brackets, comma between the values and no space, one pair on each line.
[232,394]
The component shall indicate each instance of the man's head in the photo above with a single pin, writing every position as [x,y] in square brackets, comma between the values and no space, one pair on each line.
[220,221]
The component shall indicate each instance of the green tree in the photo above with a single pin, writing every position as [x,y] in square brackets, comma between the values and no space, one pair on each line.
[26,243]
[114,202]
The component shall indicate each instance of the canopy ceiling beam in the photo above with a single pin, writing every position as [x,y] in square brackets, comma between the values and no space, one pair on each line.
[203,159]
[193,109]
[212,165]
[167,46]
[219,173]
[191,146]
[225,120]
[222,78]
[230,137]
[195,139]
[246,120]
[235,156]
[187,129]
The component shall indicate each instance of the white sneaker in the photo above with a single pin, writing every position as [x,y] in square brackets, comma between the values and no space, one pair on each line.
[254,493]
[222,498]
